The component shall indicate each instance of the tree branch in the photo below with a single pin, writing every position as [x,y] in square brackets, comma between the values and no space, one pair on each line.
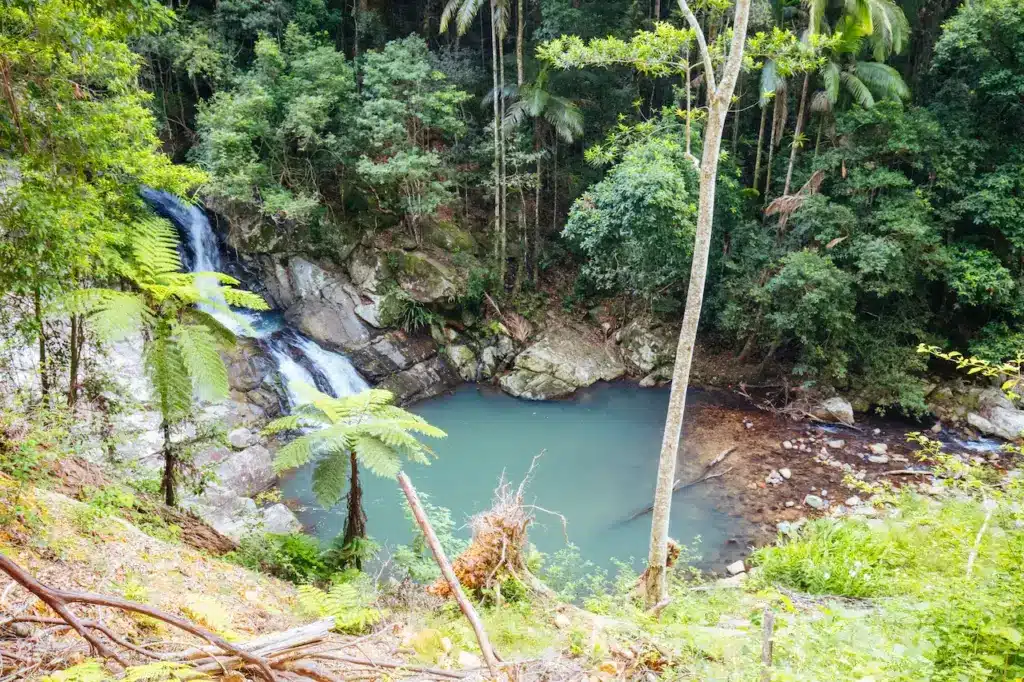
[709,69]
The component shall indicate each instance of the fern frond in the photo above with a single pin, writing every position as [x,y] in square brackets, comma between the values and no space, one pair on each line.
[330,478]
[169,375]
[155,248]
[113,315]
[200,353]
[298,452]
[377,457]
[240,298]
[225,337]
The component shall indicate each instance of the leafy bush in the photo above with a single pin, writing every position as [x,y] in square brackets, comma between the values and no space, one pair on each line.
[348,600]
[296,557]
[415,559]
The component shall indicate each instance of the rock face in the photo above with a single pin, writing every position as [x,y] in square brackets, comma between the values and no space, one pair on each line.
[997,416]
[252,376]
[423,380]
[646,348]
[835,410]
[558,363]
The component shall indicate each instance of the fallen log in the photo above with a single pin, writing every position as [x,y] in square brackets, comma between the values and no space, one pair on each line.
[705,476]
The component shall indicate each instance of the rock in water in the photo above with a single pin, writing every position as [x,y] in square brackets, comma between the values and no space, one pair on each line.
[835,410]
[997,416]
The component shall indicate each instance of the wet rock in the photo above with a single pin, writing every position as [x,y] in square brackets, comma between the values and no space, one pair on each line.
[558,363]
[835,409]
[393,352]
[736,567]
[815,502]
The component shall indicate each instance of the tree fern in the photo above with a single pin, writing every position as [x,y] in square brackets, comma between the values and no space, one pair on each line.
[368,424]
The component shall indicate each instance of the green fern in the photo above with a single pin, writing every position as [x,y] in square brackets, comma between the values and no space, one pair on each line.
[348,602]
[368,424]
[92,670]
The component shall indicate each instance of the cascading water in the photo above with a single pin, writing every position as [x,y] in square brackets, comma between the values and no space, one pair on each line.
[299,359]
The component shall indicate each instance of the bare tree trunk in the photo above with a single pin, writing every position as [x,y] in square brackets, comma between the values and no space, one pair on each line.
[657,10]
[817,139]
[777,110]
[554,187]
[497,132]
[355,516]
[449,575]
[44,376]
[736,117]
[719,98]
[760,144]
[535,266]
[520,33]
[73,360]
[798,130]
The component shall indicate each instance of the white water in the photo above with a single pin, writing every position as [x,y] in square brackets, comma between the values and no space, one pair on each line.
[300,360]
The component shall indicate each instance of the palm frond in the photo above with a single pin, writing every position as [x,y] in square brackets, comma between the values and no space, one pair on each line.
[860,93]
[889,28]
[830,77]
[565,117]
[200,353]
[467,13]
[884,81]
[816,13]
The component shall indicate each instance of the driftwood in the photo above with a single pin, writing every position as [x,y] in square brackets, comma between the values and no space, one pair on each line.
[449,575]
[705,476]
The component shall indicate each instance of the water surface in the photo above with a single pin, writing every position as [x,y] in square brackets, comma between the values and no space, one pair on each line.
[599,464]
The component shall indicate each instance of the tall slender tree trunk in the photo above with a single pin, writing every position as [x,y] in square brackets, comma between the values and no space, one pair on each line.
[777,110]
[817,138]
[657,10]
[554,186]
[497,144]
[719,98]
[535,264]
[736,117]
[504,160]
[168,482]
[520,36]
[74,354]
[760,145]
[355,516]
[44,370]
[797,131]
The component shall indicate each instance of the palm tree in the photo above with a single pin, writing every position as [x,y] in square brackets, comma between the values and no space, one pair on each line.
[465,12]
[341,433]
[772,83]
[182,341]
[561,116]
[876,26]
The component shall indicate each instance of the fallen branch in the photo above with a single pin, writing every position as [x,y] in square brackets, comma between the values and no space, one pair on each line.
[908,472]
[58,600]
[393,665]
[767,630]
[449,575]
[705,476]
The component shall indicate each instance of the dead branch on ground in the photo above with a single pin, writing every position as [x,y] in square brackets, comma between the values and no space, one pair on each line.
[706,475]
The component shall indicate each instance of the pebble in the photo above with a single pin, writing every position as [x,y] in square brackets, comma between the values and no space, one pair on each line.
[815,502]
[852,501]
[773,478]
[562,621]
[787,445]
[878,448]
[736,567]
[790,503]
[878,459]
[836,443]
[876,432]
[786,473]
[748,424]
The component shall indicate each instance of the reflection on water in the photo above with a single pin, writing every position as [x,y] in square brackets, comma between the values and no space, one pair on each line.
[599,465]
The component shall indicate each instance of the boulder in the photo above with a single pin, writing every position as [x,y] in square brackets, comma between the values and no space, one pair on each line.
[392,352]
[280,520]
[562,360]
[1000,422]
[428,280]
[465,361]
[229,513]
[248,365]
[244,473]
[424,380]
[835,410]
[646,347]
[495,353]
[240,438]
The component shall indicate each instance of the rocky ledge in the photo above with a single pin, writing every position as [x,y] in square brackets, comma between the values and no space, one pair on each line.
[562,360]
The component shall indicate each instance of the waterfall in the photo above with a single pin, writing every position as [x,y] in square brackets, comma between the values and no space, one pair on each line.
[298,358]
